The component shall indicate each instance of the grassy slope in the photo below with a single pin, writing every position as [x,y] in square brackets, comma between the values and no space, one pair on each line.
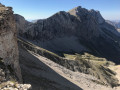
[96,66]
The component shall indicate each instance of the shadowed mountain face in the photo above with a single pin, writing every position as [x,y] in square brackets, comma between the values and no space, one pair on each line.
[116,24]
[21,24]
[76,31]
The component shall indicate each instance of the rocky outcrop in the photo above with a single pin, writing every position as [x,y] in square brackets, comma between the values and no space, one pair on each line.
[21,24]
[9,85]
[8,79]
[80,12]
[8,41]
[10,72]
[76,31]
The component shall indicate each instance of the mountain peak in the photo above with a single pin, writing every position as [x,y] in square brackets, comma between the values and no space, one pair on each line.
[96,14]
[82,13]
[78,7]
[62,13]
[92,10]
[76,10]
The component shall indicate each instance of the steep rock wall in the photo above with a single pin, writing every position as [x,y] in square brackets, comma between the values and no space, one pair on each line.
[8,40]
[76,31]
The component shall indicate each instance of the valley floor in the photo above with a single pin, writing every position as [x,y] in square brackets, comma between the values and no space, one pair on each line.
[44,74]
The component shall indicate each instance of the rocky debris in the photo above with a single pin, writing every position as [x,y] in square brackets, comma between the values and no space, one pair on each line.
[2,76]
[86,63]
[8,40]
[5,74]
[52,76]
[8,79]
[9,85]
[79,30]
[96,66]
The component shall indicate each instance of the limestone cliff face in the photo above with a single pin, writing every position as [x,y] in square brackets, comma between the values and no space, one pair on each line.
[21,24]
[76,31]
[79,12]
[8,40]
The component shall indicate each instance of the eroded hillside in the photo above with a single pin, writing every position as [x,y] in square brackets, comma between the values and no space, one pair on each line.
[33,58]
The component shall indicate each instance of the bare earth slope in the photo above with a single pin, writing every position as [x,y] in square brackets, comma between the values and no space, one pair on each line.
[44,74]
[47,74]
[40,75]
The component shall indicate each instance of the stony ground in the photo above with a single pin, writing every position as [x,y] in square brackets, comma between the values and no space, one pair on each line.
[79,79]
[8,80]
[44,74]
[9,85]
[117,70]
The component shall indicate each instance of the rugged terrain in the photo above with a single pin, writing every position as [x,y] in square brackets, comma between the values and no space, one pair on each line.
[39,66]
[75,47]
[8,40]
[10,72]
[67,51]
[21,24]
[76,31]
[116,24]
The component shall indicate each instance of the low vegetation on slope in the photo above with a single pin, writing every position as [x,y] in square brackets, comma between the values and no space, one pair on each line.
[95,66]
[86,63]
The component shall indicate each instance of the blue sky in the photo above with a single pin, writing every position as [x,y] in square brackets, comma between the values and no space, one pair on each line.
[38,9]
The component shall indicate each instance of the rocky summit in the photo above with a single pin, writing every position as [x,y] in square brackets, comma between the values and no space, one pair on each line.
[76,31]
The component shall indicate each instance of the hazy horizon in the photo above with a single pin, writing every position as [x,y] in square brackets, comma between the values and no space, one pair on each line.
[33,10]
